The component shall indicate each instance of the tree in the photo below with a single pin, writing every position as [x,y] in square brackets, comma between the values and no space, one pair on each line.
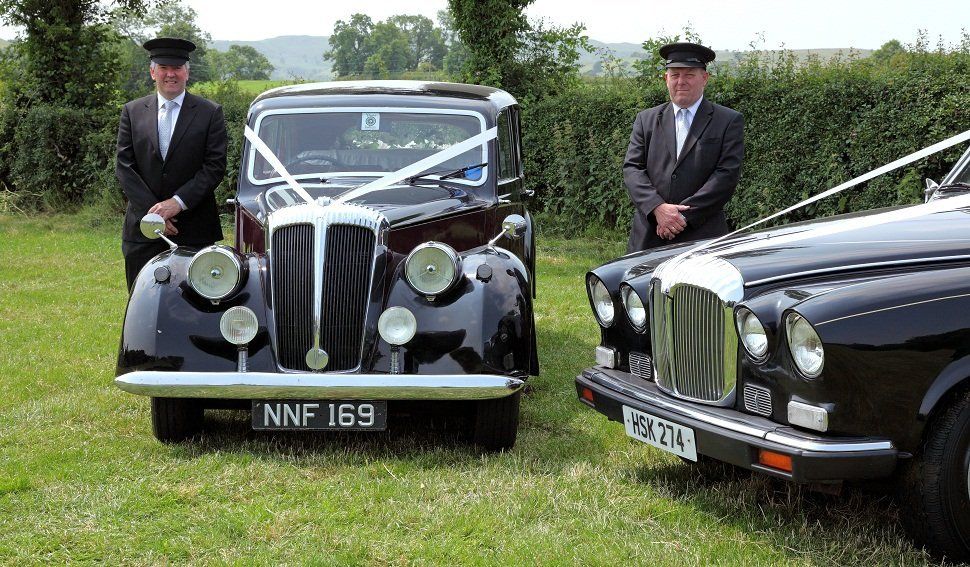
[241,62]
[400,43]
[426,43]
[348,45]
[887,52]
[506,50]
[490,30]
[59,80]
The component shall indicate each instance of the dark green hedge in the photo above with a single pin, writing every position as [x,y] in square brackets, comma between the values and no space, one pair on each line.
[806,129]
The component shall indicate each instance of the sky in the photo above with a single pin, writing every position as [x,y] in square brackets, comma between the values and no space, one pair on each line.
[722,25]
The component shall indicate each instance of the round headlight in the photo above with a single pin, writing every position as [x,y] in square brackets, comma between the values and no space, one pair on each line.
[752,333]
[397,325]
[214,272]
[634,307]
[602,302]
[805,345]
[238,325]
[432,268]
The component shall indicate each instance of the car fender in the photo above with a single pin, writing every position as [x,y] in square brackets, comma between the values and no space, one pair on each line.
[482,325]
[168,326]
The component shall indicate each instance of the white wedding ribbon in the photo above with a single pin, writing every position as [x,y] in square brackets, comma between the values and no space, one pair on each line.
[419,166]
[874,220]
[271,158]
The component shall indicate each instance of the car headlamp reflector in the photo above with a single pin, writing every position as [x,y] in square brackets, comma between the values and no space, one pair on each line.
[238,325]
[397,325]
[602,302]
[215,272]
[752,333]
[634,307]
[805,345]
[431,268]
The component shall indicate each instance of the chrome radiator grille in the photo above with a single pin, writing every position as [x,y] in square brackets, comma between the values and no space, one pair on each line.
[292,273]
[346,289]
[322,267]
[694,343]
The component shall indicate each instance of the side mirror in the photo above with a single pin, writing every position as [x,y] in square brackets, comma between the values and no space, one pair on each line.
[153,226]
[931,187]
[513,227]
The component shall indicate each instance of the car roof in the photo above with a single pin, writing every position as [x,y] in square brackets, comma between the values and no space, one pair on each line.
[341,93]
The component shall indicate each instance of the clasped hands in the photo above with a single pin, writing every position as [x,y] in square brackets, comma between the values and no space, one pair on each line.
[167,209]
[670,221]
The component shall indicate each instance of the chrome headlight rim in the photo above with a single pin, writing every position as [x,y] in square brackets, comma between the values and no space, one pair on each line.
[631,303]
[792,319]
[741,315]
[229,254]
[595,287]
[453,258]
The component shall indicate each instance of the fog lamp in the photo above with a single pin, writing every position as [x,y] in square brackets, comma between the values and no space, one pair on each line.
[238,325]
[397,325]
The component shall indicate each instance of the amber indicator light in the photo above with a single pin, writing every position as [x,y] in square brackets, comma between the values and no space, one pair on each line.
[588,395]
[774,460]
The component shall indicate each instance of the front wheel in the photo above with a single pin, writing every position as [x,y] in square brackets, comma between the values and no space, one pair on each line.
[936,485]
[175,419]
[496,423]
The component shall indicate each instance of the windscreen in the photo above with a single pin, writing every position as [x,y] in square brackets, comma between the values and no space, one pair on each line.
[362,142]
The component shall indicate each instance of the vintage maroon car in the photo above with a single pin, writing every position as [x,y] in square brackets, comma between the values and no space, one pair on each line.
[818,352]
[383,256]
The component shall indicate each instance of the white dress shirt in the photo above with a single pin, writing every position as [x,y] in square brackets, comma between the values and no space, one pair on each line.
[175,116]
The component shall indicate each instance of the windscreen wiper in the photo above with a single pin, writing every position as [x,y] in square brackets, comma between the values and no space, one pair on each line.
[445,174]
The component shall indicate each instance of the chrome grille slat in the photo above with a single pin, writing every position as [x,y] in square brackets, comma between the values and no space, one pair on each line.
[641,366]
[292,272]
[757,400]
[688,336]
[322,260]
[347,266]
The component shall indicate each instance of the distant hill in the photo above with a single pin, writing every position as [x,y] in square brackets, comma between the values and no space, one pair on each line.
[293,56]
[301,56]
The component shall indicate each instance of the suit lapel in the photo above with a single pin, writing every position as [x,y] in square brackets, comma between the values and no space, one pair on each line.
[697,127]
[186,114]
[669,130]
[149,123]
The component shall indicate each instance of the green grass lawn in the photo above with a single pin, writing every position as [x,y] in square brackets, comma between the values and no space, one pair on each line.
[83,480]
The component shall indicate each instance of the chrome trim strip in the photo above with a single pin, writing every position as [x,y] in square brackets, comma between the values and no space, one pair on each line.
[306,386]
[743,428]
[851,267]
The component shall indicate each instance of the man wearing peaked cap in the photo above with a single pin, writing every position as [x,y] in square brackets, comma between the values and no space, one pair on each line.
[684,158]
[171,157]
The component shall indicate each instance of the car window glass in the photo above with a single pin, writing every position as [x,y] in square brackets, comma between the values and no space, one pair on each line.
[506,164]
[375,142]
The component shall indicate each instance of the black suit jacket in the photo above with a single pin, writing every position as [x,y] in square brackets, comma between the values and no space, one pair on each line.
[193,168]
[703,177]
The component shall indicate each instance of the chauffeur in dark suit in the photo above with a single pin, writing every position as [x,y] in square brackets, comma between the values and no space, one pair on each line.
[684,157]
[171,158]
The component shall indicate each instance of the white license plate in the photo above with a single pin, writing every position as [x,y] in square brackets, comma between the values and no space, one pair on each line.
[322,415]
[660,433]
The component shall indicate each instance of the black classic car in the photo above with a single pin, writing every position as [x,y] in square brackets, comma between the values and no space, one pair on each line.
[819,352]
[383,258]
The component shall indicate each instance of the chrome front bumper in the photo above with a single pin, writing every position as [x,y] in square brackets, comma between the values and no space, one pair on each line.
[266,385]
